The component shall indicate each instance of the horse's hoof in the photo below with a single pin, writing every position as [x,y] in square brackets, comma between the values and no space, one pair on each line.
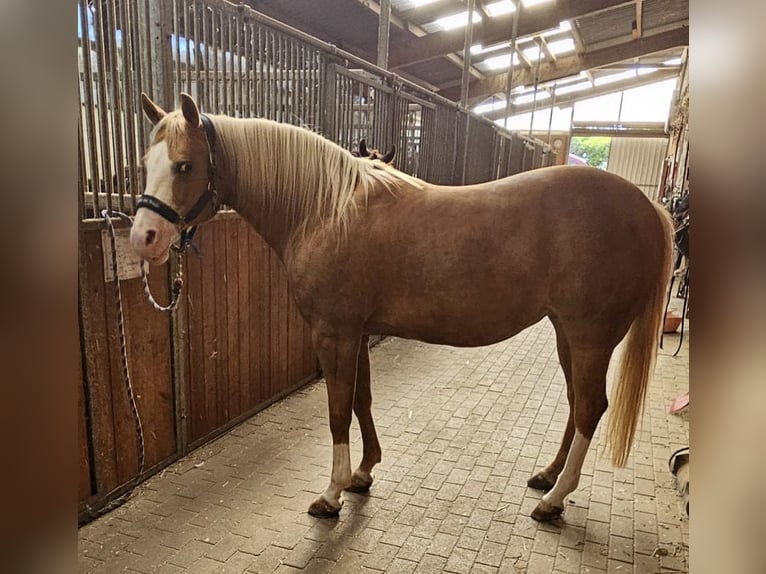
[545,512]
[359,484]
[323,509]
[540,482]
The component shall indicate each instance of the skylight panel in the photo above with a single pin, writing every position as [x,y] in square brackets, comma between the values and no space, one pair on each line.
[562,46]
[457,20]
[530,3]
[490,107]
[500,8]
[560,91]
[603,80]
[529,98]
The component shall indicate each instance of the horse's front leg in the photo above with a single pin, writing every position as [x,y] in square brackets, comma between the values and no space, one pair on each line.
[338,359]
[362,477]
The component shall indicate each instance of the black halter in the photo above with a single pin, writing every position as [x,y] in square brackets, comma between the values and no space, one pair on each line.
[183,222]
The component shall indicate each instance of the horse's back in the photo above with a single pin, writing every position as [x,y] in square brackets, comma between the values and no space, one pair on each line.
[476,264]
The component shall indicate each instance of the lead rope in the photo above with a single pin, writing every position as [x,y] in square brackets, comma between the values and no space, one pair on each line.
[177,284]
[140,448]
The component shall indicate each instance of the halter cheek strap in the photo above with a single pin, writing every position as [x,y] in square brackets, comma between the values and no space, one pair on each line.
[209,196]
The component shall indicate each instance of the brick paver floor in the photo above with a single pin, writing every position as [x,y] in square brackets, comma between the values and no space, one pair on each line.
[461,431]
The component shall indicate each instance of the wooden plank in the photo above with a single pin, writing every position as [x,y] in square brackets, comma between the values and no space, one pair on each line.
[97,358]
[84,490]
[277,334]
[221,359]
[195,395]
[243,303]
[262,290]
[150,355]
[233,318]
[210,349]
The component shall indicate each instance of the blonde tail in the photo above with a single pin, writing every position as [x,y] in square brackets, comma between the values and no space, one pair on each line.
[640,352]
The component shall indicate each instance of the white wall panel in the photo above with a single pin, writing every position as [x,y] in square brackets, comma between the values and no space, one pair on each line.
[638,160]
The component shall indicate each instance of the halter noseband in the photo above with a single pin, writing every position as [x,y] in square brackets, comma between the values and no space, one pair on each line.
[210,196]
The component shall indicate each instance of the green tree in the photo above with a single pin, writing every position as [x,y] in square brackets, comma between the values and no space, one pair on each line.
[593,149]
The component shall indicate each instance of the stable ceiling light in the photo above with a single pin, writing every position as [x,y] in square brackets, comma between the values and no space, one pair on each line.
[644,71]
[419,3]
[673,61]
[457,20]
[500,8]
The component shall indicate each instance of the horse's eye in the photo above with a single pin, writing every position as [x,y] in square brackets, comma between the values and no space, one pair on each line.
[183,167]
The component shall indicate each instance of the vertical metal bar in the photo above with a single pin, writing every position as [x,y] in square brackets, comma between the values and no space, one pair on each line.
[130,111]
[223,21]
[262,73]
[252,94]
[103,105]
[82,184]
[269,74]
[215,41]
[89,107]
[467,40]
[384,27]
[537,83]
[177,42]
[509,77]
[207,24]
[465,81]
[117,114]
[160,52]
[550,119]
[139,77]
[189,39]
[241,72]
[198,62]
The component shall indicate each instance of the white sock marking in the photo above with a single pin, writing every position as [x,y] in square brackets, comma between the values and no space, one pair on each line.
[570,476]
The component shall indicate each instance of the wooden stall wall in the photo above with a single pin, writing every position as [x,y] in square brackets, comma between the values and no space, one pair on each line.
[112,449]
[247,343]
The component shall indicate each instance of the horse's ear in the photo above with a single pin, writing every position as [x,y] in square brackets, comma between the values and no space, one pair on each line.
[152,111]
[190,110]
[363,148]
[389,157]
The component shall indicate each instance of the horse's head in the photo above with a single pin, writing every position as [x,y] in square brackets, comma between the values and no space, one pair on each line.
[180,168]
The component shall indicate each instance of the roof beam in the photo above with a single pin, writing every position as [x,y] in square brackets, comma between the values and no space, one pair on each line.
[572,65]
[402,24]
[493,30]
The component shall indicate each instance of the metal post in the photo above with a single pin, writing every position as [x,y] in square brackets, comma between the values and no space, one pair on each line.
[537,83]
[384,27]
[467,55]
[509,78]
[466,82]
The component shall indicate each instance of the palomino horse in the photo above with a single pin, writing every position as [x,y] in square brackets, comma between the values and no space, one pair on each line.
[369,249]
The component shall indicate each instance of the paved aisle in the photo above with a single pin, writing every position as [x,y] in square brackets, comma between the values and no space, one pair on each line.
[461,431]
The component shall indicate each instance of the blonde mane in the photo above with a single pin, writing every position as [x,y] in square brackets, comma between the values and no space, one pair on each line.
[288,170]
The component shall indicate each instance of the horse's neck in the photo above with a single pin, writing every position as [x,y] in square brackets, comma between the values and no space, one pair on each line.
[239,193]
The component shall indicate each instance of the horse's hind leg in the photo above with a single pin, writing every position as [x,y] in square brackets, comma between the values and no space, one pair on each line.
[589,366]
[546,478]
[362,477]
[338,358]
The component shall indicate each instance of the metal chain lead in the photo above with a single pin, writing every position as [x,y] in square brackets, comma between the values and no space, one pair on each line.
[140,447]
